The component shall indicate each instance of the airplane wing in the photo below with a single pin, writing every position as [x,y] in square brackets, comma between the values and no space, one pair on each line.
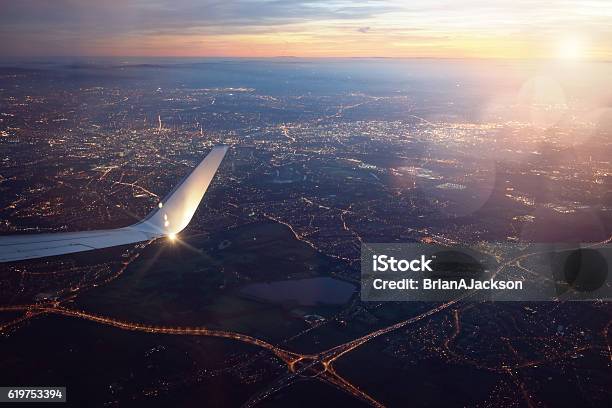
[173,214]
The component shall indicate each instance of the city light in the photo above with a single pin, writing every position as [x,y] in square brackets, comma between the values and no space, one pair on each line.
[290,138]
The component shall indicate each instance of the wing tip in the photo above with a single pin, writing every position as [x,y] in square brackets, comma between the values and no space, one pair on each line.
[166,226]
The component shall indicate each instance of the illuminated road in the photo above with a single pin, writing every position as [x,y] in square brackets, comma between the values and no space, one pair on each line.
[324,360]
[284,355]
[317,366]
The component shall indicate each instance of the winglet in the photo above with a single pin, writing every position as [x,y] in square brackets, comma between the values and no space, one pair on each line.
[177,208]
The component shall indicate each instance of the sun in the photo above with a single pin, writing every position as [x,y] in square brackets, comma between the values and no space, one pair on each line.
[571,48]
[172,237]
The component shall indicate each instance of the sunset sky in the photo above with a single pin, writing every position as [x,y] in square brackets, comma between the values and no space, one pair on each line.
[575,29]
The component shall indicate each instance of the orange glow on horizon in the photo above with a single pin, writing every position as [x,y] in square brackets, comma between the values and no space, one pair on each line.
[302,45]
[549,29]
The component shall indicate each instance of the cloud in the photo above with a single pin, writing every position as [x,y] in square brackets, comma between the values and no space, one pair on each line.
[88,26]
[128,16]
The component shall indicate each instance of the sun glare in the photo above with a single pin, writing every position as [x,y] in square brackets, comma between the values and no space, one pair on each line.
[172,237]
[571,48]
